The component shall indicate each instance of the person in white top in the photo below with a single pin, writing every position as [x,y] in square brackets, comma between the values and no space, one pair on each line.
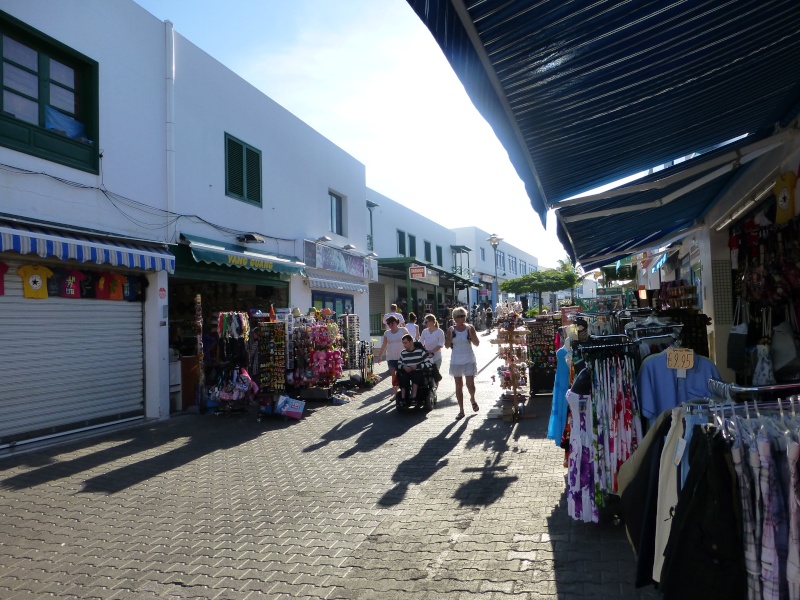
[391,348]
[463,365]
[413,328]
[432,339]
[393,313]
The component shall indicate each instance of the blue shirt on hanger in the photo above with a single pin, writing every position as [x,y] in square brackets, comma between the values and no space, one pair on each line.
[661,389]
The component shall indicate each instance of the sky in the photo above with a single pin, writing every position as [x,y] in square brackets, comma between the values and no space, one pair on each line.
[368,75]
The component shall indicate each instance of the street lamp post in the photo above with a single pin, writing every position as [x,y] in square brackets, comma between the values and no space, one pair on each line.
[494,240]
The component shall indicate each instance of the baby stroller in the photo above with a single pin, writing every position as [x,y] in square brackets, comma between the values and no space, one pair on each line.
[426,392]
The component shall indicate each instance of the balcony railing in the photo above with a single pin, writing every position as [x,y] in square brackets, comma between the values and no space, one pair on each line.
[463,271]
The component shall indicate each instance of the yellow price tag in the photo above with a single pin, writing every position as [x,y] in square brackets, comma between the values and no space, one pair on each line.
[680,358]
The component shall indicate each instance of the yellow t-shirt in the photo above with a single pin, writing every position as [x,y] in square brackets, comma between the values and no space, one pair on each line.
[784,192]
[34,280]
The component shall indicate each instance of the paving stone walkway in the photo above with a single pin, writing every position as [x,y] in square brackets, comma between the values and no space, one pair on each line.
[352,502]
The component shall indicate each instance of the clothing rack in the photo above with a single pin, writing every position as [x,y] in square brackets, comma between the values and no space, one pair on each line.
[729,391]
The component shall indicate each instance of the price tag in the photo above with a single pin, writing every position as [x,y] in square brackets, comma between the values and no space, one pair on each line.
[680,358]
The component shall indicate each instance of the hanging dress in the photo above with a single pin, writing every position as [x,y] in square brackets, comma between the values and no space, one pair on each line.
[558,413]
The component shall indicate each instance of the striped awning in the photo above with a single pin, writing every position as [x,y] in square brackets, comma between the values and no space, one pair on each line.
[51,243]
[335,283]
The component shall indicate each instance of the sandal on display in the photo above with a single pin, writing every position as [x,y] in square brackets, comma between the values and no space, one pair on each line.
[459,416]
[475,406]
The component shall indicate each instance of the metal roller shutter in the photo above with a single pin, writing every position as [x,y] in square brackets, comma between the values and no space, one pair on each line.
[67,364]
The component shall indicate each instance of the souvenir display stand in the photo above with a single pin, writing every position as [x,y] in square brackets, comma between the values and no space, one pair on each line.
[541,345]
[512,349]
[351,335]
[327,359]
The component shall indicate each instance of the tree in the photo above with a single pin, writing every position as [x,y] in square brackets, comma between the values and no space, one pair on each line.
[550,280]
[573,275]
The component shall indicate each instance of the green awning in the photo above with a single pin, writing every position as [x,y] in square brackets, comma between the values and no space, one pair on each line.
[236,255]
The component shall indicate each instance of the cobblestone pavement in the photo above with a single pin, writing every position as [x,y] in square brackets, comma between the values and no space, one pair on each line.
[353,501]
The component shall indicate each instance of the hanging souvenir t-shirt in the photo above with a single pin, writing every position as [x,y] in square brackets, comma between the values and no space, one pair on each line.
[3,270]
[71,284]
[116,285]
[87,285]
[784,192]
[54,283]
[103,286]
[34,280]
[133,289]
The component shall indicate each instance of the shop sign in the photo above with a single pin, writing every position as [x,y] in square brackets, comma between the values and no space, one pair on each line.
[320,256]
[483,292]
[568,313]
[487,278]
[612,291]
[659,263]
[417,272]
[162,293]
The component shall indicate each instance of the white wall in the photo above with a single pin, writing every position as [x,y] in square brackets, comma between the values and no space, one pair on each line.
[392,215]
[128,44]
[299,165]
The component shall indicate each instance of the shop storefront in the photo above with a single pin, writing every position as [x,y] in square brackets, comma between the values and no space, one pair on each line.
[214,278]
[79,314]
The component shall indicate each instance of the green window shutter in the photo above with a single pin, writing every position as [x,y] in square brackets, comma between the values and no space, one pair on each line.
[253,170]
[234,175]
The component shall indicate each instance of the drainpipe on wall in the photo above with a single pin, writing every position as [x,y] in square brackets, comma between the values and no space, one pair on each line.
[169,38]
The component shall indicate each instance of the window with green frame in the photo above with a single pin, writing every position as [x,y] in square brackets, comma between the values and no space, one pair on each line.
[439,255]
[242,171]
[401,242]
[49,101]
[428,251]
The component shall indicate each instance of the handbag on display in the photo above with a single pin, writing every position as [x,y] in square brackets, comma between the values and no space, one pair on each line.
[737,340]
[764,373]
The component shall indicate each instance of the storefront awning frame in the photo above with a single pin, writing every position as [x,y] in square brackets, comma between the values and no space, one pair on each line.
[235,255]
[92,248]
[328,282]
[582,95]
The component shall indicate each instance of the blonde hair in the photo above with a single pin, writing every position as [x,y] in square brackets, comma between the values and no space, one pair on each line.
[459,312]
[432,318]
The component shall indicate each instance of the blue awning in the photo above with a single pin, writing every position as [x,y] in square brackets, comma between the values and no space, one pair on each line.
[52,243]
[586,93]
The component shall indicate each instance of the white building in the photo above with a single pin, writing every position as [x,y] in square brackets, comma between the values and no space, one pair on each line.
[130,155]
[510,262]
[421,266]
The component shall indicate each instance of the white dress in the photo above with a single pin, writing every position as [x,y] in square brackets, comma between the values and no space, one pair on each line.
[462,359]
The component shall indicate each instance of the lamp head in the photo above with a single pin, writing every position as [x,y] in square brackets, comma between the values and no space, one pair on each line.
[323,238]
[348,247]
[494,240]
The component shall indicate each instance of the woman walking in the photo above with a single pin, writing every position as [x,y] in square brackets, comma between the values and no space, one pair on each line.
[413,328]
[432,339]
[392,347]
[463,365]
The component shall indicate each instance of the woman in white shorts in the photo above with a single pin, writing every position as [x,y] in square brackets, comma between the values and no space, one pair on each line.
[463,365]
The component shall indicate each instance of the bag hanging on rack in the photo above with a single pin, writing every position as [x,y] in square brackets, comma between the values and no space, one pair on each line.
[784,347]
[764,373]
[737,340]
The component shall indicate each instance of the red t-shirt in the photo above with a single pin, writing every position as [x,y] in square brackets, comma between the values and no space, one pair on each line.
[71,284]
[3,269]
[103,286]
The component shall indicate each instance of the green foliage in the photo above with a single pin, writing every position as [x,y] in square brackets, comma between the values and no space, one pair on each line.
[550,280]
[532,312]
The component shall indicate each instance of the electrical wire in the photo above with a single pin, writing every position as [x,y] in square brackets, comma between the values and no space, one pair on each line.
[118,201]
